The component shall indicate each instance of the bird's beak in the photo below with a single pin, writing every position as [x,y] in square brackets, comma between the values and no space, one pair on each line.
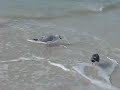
[60,37]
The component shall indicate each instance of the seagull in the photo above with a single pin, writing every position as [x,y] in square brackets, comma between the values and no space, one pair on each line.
[48,38]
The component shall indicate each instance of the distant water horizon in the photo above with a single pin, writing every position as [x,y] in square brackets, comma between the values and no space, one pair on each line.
[55,8]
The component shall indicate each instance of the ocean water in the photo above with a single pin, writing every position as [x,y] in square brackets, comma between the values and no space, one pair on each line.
[90,26]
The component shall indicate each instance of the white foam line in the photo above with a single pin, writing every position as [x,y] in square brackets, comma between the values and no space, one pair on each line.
[96,82]
[59,65]
[40,42]
[39,58]
[113,60]
[15,60]
[22,59]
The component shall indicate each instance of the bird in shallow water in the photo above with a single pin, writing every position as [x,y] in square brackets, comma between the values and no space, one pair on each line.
[49,38]
[95,58]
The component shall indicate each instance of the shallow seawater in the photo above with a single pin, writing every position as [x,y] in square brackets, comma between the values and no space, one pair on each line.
[90,26]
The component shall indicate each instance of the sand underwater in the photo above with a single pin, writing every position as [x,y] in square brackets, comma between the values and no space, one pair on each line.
[90,26]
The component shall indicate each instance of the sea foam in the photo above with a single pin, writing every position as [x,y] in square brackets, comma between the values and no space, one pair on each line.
[100,83]
[59,65]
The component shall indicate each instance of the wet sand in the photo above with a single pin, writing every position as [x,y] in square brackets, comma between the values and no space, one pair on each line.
[115,77]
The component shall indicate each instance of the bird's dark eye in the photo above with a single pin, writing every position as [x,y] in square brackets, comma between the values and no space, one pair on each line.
[60,37]
[93,60]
